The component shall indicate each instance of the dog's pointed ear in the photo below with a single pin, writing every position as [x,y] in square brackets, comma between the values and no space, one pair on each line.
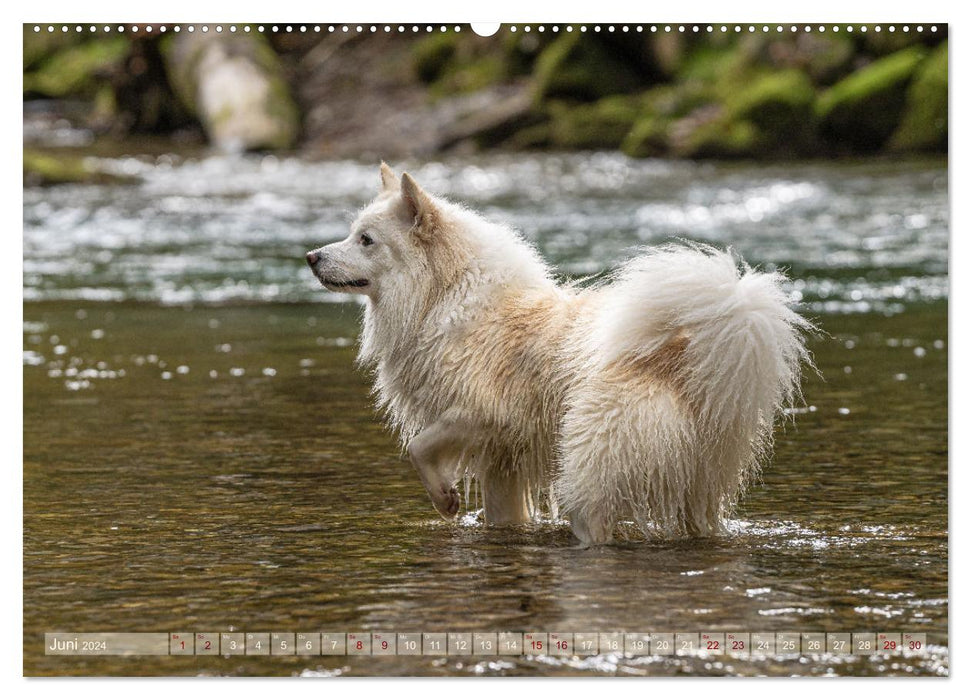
[389,181]
[420,207]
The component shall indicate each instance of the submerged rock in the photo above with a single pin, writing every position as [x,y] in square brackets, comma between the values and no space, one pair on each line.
[235,87]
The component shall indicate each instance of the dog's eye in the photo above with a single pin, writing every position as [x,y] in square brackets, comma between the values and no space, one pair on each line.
[366,240]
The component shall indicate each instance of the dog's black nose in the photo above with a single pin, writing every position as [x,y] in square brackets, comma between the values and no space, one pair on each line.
[312,258]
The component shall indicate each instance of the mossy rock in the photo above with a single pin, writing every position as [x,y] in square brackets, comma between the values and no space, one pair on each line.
[77,69]
[780,105]
[431,56]
[648,138]
[40,45]
[923,126]
[580,67]
[520,50]
[662,106]
[711,132]
[885,43]
[863,110]
[712,64]
[785,96]
[469,76]
[535,136]
[723,138]
[677,100]
[602,124]
[258,113]
[42,168]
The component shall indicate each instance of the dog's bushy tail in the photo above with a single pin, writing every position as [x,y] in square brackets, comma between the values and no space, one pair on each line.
[739,345]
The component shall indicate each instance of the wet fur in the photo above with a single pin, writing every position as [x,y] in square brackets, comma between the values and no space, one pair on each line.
[650,396]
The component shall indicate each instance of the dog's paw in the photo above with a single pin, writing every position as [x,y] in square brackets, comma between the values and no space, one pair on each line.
[446,500]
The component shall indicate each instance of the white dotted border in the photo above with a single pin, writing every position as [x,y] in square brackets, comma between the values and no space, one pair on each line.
[415,29]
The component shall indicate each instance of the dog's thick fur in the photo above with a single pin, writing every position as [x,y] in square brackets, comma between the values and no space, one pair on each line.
[651,397]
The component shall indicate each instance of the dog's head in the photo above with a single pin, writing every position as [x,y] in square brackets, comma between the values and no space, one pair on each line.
[394,238]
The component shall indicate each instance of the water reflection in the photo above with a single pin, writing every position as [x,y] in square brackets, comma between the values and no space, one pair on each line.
[276,501]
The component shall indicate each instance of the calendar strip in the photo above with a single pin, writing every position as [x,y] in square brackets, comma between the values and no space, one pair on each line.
[492,644]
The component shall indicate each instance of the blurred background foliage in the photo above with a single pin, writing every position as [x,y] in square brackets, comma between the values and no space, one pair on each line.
[389,95]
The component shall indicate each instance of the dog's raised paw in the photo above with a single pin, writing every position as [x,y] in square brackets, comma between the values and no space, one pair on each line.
[447,501]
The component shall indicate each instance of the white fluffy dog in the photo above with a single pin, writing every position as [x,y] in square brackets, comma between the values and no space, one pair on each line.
[651,398]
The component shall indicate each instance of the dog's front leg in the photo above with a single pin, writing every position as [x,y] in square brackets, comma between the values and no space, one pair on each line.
[436,452]
[505,497]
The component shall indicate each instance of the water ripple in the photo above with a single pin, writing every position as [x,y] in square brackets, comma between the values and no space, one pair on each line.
[857,237]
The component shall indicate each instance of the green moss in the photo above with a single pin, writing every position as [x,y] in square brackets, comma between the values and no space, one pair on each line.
[711,64]
[923,125]
[579,67]
[430,57]
[76,69]
[780,106]
[722,138]
[531,137]
[781,94]
[603,124]
[770,116]
[863,110]
[647,138]
[42,168]
[40,45]
[884,43]
[678,100]
[520,50]
[469,76]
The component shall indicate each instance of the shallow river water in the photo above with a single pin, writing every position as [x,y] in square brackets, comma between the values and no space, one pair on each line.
[200,453]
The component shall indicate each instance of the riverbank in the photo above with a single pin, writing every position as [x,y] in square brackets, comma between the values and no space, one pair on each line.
[717,95]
